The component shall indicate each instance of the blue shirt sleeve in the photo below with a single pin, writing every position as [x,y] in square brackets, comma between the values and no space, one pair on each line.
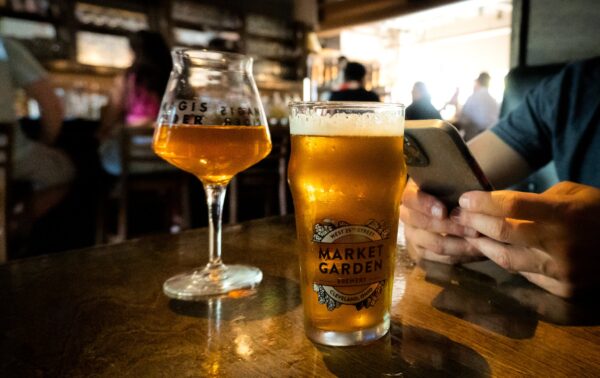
[528,129]
[560,120]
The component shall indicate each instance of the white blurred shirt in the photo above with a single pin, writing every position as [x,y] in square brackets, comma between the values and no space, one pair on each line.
[18,68]
[479,113]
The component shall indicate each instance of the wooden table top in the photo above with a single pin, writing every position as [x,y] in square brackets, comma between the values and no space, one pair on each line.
[101,312]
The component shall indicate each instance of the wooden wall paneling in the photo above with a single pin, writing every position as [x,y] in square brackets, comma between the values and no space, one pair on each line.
[338,14]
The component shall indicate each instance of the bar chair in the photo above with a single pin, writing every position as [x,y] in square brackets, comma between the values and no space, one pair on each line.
[6,139]
[144,171]
[268,177]
[15,214]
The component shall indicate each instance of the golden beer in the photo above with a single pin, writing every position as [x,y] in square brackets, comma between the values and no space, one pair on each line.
[347,191]
[214,154]
[213,125]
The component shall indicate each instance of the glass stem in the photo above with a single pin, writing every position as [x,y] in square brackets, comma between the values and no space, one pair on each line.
[215,196]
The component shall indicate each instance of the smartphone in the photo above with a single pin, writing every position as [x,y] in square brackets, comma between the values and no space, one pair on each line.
[440,162]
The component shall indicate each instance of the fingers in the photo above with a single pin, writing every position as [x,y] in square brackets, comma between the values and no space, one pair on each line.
[420,201]
[418,254]
[562,289]
[424,211]
[513,231]
[512,204]
[450,260]
[437,247]
[430,234]
[427,222]
[515,258]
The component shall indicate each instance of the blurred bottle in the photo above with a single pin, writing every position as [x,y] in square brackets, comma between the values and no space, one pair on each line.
[97,100]
[33,109]
[18,5]
[278,109]
[31,6]
[21,107]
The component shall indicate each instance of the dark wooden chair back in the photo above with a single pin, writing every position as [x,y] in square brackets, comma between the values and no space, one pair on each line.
[136,150]
[6,144]
[143,170]
[268,176]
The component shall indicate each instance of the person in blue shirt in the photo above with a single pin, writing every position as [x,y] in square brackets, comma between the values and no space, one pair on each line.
[551,238]
[421,106]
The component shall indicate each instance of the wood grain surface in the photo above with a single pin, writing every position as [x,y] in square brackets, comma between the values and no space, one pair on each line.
[101,313]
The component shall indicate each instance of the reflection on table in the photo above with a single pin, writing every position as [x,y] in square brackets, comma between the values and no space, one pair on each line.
[101,312]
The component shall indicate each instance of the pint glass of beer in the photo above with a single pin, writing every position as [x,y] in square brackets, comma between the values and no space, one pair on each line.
[347,174]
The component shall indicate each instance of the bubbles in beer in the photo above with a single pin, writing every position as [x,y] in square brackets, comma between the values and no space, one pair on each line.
[340,124]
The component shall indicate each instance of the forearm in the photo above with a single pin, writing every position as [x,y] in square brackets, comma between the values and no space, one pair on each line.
[112,114]
[502,165]
[50,108]
[111,117]
[51,120]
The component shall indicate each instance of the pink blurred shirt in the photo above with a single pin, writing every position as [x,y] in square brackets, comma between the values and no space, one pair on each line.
[141,104]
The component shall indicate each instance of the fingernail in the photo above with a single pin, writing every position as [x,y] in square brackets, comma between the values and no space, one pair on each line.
[464,202]
[471,232]
[436,211]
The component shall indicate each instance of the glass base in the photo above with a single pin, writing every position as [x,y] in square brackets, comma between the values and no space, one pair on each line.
[200,284]
[334,338]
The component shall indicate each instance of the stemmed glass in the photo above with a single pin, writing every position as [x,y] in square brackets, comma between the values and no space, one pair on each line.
[213,125]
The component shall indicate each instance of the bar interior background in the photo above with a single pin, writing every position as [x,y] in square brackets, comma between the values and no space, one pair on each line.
[83,44]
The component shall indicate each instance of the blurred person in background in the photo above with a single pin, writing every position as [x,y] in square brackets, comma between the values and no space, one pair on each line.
[353,88]
[421,107]
[46,168]
[338,83]
[480,111]
[550,238]
[136,96]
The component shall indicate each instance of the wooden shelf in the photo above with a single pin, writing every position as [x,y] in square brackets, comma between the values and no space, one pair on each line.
[204,27]
[199,47]
[62,16]
[280,59]
[26,16]
[103,29]
[190,46]
[279,85]
[282,40]
[66,66]
[127,5]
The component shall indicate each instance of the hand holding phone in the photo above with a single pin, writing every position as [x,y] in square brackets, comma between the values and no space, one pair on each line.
[440,162]
[441,165]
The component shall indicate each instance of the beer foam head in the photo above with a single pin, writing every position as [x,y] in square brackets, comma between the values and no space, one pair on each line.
[386,120]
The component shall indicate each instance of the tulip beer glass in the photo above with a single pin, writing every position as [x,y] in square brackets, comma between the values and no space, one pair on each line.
[347,174]
[212,124]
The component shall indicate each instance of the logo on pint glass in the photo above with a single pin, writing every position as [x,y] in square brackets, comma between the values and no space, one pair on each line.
[352,263]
